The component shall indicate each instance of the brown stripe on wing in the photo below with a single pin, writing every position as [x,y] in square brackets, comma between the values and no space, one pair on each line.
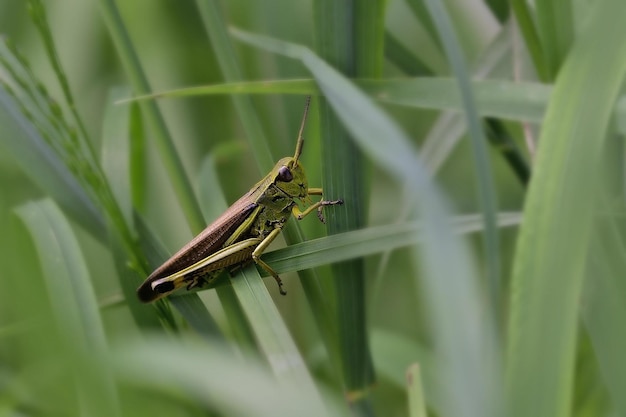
[209,241]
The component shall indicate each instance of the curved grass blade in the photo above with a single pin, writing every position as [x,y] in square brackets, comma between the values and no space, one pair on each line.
[486,188]
[153,116]
[523,102]
[365,242]
[213,19]
[554,241]
[116,151]
[44,167]
[207,373]
[349,36]
[271,333]
[73,303]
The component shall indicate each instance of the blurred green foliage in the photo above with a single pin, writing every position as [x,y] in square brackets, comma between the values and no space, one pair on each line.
[88,212]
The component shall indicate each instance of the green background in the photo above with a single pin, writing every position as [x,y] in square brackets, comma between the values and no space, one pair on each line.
[502,319]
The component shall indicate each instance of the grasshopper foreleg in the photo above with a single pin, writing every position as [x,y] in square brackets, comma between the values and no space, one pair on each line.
[319,206]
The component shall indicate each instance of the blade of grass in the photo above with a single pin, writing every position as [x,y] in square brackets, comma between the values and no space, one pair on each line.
[214,24]
[207,373]
[417,405]
[271,333]
[38,15]
[123,131]
[140,85]
[482,164]
[500,9]
[115,151]
[349,35]
[531,38]
[365,242]
[553,243]
[73,302]
[603,307]
[555,24]
[525,102]
[402,57]
[117,165]
[44,167]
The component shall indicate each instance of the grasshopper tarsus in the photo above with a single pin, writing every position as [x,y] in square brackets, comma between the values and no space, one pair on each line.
[331,202]
[281,287]
[320,214]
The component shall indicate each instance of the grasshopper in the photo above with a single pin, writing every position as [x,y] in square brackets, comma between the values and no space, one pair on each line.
[243,232]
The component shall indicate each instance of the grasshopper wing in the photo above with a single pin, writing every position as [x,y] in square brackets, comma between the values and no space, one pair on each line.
[209,241]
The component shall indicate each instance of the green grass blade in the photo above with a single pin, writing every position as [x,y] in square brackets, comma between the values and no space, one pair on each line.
[271,333]
[553,243]
[208,373]
[421,13]
[191,307]
[44,167]
[38,14]
[73,301]
[365,242]
[349,35]
[214,24]
[154,119]
[500,9]
[368,25]
[486,188]
[521,9]
[116,162]
[123,159]
[417,405]
[555,24]
[402,57]
[603,309]
[515,101]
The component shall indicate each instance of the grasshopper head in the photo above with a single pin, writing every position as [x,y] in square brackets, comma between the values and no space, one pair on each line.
[290,178]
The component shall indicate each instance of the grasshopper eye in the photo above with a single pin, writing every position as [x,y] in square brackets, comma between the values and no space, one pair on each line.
[284,174]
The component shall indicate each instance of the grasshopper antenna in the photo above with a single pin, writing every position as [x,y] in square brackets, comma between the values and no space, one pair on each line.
[300,138]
